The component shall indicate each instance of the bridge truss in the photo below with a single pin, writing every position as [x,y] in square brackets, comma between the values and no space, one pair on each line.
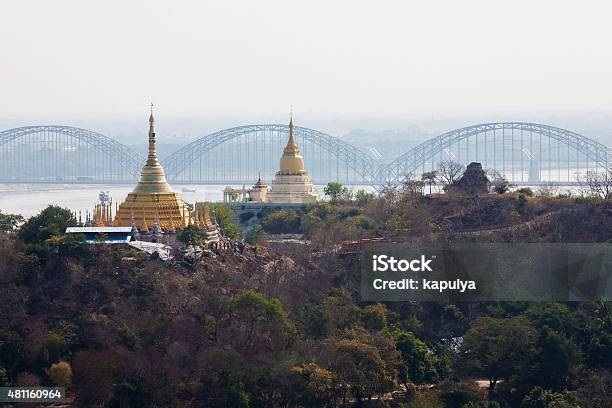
[65,154]
[525,153]
[240,154]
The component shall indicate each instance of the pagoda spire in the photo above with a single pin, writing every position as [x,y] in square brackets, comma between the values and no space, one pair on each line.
[291,148]
[291,142]
[152,157]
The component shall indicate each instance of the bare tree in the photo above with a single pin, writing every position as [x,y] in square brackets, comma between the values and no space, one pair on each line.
[600,183]
[412,187]
[449,171]
[582,186]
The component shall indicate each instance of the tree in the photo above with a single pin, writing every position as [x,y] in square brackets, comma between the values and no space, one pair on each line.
[335,191]
[540,398]
[429,178]
[363,197]
[282,221]
[260,323]
[412,187]
[254,234]
[70,245]
[360,367]
[599,337]
[54,346]
[419,364]
[600,183]
[12,352]
[192,236]
[224,388]
[128,338]
[8,222]
[499,183]
[94,376]
[459,394]
[335,314]
[448,172]
[61,374]
[314,386]
[558,359]
[499,348]
[224,217]
[374,317]
[53,220]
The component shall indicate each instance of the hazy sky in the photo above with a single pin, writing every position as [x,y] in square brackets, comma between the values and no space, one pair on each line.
[109,58]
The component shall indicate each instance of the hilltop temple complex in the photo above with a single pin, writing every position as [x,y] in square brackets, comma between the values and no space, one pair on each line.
[291,185]
[152,201]
[153,208]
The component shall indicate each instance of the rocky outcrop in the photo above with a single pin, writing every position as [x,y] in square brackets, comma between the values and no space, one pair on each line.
[474,180]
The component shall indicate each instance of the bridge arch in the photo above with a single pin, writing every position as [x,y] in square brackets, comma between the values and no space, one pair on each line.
[526,153]
[240,153]
[65,153]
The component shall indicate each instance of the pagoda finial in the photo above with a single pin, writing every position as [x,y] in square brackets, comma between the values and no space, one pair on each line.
[152,156]
[291,146]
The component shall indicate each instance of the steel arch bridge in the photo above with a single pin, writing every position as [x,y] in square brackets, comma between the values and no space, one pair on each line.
[241,153]
[54,153]
[525,153]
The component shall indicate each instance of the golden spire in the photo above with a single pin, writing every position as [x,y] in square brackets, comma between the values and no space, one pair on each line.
[152,157]
[291,162]
[291,142]
[152,176]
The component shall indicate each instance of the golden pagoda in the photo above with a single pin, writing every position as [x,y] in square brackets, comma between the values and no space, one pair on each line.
[152,201]
[292,184]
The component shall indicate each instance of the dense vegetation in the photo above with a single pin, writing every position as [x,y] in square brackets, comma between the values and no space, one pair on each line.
[269,328]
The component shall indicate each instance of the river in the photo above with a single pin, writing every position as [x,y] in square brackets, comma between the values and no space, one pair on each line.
[29,199]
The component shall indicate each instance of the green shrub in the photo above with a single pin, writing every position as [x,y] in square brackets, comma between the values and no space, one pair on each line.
[459,394]
[541,398]
[283,221]
[128,337]
[253,234]
[61,374]
[53,347]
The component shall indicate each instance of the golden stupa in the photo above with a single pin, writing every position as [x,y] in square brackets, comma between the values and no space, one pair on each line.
[152,201]
[292,184]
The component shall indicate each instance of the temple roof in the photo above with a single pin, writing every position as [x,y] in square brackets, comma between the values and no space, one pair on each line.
[260,184]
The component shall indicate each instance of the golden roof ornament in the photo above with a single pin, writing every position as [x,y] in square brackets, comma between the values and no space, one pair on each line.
[291,162]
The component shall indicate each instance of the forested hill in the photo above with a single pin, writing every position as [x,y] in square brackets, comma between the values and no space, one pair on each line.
[268,328]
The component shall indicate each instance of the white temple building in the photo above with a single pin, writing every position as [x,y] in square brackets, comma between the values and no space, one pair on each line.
[292,184]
